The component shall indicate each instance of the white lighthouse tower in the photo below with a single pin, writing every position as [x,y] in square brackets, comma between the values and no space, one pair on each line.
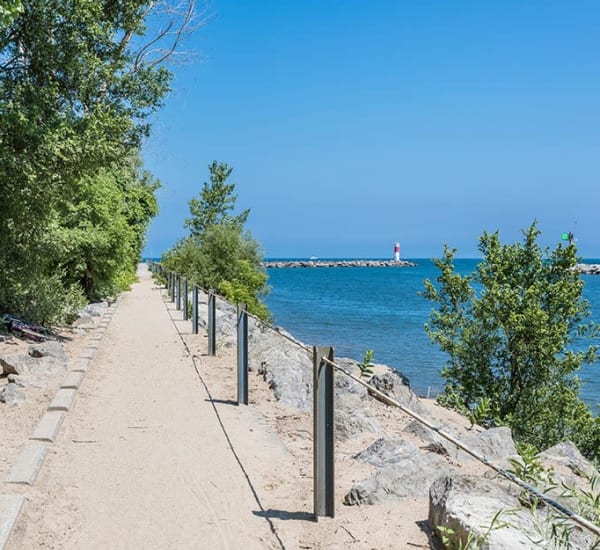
[396,252]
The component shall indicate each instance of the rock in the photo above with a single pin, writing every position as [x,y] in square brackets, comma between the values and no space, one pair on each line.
[12,395]
[567,455]
[353,416]
[423,433]
[48,349]
[95,310]
[466,505]
[353,413]
[588,269]
[383,452]
[337,263]
[408,476]
[495,444]
[84,321]
[286,367]
[396,386]
[41,361]
[477,511]
[570,474]
[18,363]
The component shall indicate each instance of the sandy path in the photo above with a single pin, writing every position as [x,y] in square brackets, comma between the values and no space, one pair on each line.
[142,460]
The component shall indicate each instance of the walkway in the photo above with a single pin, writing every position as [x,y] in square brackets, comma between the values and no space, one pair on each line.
[145,458]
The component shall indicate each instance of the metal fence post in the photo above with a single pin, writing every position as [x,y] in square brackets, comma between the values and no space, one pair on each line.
[172,286]
[323,433]
[242,353]
[195,309]
[185,299]
[178,292]
[212,314]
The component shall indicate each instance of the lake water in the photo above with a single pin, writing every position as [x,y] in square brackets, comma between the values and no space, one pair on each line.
[355,309]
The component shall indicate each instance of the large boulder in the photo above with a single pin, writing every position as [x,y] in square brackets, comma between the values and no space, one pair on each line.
[353,410]
[41,361]
[84,321]
[566,456]
[384,451]
[285,366]
[406,473]
[570,474]
[51,348]
[495,444]
[396,385]
[478,512]
[464,507]
[423,433]
[18,363]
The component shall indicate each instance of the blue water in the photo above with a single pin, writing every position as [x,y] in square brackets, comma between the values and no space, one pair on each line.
[355,309]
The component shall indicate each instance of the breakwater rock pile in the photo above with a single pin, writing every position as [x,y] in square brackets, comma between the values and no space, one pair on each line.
[338,263]
[588,269]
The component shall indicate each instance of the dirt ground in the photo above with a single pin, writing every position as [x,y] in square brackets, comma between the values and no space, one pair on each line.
[156,453]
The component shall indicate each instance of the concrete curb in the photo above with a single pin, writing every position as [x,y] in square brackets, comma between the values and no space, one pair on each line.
[87,353]
[28,464]
[73,379]
[48,426]
[82,365]
[10,508]
[63,400]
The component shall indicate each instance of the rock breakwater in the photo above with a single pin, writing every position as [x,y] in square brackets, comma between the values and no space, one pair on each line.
[588,269]
[337,263]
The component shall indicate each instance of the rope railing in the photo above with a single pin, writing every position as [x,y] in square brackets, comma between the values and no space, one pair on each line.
[327,446]
[450,437]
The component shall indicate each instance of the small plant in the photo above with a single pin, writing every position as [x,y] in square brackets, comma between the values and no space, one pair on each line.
[480,415]
[474,541]
[531,470]
[366,365]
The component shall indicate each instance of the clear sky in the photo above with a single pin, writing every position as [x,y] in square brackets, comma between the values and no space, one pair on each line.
[353,124]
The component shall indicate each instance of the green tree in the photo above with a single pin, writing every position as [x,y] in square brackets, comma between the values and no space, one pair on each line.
[101,228]
[219,254]
[78,81]
[9,9]
[215,202]
[507,329]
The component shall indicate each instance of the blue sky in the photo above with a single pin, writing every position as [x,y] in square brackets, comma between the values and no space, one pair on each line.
[354,124]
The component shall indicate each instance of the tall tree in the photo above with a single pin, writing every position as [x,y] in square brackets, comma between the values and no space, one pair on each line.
[78,81]
[219,254]
[508,329]
[215,202]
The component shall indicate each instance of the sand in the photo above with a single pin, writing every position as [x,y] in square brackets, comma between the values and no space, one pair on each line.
[155,453]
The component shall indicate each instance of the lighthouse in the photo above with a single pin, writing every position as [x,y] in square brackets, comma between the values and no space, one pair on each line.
[397,252]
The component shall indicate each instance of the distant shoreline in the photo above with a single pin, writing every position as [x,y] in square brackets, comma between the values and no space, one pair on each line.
[335,263]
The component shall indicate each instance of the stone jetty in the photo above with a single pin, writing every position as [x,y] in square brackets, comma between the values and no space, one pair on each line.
[338,263]
[588,269]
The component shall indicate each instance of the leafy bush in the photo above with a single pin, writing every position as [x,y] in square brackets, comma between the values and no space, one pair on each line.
[507,330]
[218,254]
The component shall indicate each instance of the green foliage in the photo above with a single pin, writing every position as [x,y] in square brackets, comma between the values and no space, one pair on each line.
[506,329]
[77,86]
[102,226]
[215,202]
[9,9]
[218,254]
[474,540]
[366,365]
